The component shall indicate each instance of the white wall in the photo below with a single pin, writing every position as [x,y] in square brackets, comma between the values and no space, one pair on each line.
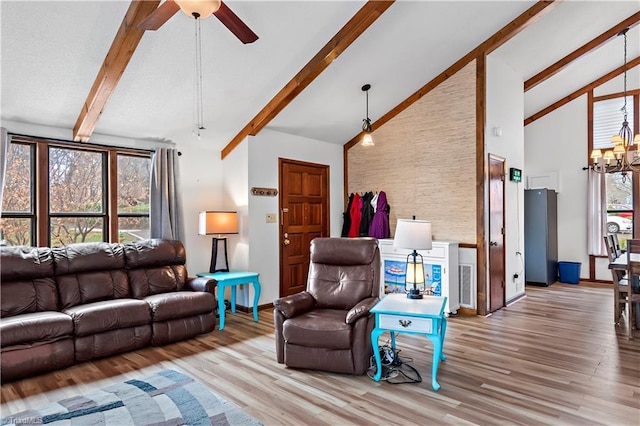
[557,143]
[263,153]
[504,111]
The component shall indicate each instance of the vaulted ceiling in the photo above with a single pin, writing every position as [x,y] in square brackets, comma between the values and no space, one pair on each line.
[52,52]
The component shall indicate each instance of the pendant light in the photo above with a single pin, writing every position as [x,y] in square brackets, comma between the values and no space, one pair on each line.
[624,157]
[367,140]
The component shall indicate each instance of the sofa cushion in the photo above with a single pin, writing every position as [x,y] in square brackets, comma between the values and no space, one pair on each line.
[155,266]
[35,327]
[90,272]
[88,257]
[154,252]
[180,304]
[325,328]
[100,317]
[26,281]
[148,281]
[88,287]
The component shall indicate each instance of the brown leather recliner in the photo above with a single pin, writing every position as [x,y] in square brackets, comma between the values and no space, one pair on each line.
[328,326]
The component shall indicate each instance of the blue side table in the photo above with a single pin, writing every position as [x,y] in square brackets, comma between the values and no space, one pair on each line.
[233,279]
[397,314]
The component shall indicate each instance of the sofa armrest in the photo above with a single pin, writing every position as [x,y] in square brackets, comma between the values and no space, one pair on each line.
[361,309]
[294,305]
[201,284]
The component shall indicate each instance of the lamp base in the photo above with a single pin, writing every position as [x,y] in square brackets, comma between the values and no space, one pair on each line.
[414,294]
[214,255]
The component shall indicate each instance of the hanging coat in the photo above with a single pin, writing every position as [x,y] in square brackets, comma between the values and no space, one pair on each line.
[367,214]
[356,214]
[346,218]
[379,227]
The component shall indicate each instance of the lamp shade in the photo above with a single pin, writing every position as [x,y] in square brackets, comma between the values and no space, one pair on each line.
[218,223]
[204,8]
[413,234]
[415,273]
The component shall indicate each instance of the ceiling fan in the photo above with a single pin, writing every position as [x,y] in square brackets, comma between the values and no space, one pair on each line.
[200,9]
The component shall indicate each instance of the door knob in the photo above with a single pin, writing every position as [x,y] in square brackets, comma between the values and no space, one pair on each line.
[286,241]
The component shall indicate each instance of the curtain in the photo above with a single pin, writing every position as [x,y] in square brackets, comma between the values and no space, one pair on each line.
[596,213]
[4,151]
[166,218]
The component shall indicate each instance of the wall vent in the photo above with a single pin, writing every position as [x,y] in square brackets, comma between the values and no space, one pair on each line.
[467,286]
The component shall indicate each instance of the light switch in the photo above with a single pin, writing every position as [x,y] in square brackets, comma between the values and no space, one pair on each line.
[271,218]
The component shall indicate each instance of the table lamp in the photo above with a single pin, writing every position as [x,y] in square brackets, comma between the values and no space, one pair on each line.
[414,235]
[218,224]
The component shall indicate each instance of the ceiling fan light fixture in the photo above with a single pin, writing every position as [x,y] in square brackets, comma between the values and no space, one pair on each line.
[199,9]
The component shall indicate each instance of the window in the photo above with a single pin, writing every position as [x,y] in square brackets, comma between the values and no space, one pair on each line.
[133,197]
[607,120]
[619,204]
[77,190]
[17,224]
[84,193]
[619,188]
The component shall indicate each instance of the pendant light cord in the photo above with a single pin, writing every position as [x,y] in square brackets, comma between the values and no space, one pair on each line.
[198,118]
[624,108]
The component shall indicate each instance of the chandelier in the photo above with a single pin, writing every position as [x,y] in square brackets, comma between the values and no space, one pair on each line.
[624,157]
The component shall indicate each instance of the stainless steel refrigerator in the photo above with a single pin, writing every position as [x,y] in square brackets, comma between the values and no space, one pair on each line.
[540,236]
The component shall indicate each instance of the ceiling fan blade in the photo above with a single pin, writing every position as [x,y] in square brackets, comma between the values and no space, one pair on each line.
[235,24]
[159,16]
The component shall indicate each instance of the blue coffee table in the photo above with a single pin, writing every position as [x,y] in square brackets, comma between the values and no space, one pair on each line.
[233,279]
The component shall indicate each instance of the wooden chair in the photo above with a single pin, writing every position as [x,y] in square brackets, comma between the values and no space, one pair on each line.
[633,276]
[616,243]
[620,283]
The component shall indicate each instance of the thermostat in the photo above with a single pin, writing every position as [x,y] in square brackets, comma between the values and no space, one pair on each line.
[515,175]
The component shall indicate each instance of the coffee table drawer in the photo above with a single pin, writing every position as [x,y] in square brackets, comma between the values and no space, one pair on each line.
[406,323]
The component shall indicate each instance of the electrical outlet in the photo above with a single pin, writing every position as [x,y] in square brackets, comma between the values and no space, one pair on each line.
[271,218]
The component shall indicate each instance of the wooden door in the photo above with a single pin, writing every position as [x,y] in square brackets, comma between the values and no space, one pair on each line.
[496,233]
[304,215]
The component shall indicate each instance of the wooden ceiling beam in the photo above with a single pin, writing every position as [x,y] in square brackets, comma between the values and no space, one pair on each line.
[603,38]
[122,48]
[633,63]
[489,45]
[357,25]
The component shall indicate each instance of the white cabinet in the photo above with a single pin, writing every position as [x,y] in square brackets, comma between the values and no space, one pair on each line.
[440,266]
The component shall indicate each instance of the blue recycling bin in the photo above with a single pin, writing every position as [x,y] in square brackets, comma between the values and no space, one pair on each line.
[569,272]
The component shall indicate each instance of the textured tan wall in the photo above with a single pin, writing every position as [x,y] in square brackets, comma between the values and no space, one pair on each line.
[424,160]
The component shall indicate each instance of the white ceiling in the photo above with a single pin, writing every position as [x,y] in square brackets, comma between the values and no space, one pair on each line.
[52,50]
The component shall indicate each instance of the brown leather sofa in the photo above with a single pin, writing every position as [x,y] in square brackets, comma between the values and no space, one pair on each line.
[328,326]
[84,301]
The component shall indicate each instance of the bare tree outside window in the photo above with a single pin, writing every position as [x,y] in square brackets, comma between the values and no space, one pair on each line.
[16,223]
[71,202]
[76,189]
[133,197]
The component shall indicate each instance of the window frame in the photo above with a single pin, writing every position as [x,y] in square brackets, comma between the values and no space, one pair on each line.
[635,101]
[41,215]
[31,215]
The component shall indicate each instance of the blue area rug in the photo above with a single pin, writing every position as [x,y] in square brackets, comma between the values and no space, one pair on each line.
[168,398]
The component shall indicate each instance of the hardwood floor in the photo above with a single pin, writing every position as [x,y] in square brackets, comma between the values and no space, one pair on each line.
[553,357]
